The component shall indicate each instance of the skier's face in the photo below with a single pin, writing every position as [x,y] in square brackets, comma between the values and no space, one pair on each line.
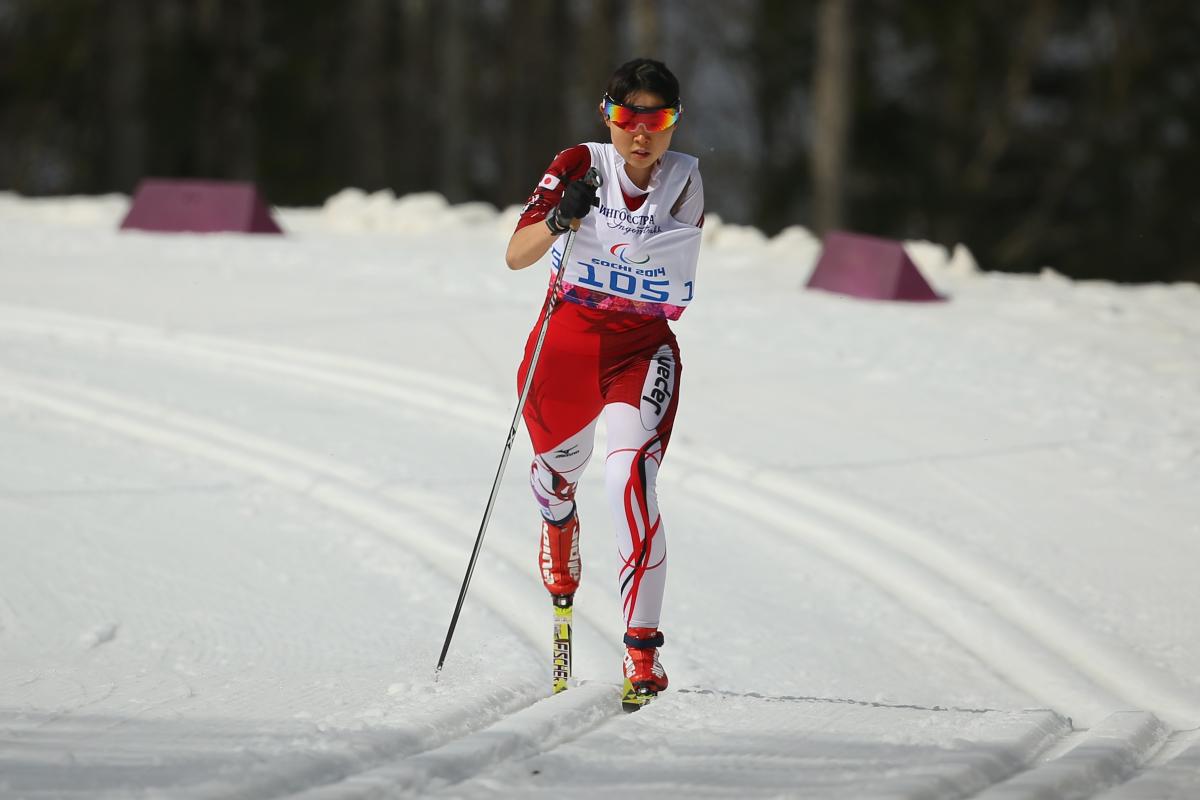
[640,148]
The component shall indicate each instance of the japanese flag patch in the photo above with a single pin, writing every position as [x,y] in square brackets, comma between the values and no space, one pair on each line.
[549,182]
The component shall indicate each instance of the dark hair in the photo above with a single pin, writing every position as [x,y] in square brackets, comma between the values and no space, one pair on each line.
[643,75]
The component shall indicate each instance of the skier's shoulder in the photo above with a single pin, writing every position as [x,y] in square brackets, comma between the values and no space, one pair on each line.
[572,163]
[685,163]
[569,165]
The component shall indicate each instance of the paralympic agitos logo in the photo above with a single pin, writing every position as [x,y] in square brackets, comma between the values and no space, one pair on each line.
[621,247]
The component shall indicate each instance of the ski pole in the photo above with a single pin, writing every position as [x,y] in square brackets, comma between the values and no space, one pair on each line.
[592,178]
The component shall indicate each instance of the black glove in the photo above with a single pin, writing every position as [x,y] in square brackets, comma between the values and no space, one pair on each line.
[577,200]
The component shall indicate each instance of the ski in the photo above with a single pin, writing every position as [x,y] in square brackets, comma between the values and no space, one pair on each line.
[561,665]
[634,697]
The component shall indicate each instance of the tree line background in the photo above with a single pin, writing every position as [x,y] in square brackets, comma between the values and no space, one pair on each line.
[1038,132]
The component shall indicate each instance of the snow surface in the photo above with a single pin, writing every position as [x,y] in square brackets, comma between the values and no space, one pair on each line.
[917,550]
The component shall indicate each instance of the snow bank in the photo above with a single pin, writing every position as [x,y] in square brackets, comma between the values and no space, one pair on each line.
[355,211]
[100,211]
[795,249]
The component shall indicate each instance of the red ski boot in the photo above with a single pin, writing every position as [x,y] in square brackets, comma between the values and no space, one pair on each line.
[644,675]
[559,558]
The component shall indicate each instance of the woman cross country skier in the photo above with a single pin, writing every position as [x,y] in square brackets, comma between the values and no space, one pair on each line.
[609,347]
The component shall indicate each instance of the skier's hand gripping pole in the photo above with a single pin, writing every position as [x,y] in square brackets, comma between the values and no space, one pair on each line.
[578,197]
[592,181]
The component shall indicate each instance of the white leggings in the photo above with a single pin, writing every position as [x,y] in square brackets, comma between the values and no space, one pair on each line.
[630,467]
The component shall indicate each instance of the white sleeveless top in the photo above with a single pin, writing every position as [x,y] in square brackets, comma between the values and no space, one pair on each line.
[641,262]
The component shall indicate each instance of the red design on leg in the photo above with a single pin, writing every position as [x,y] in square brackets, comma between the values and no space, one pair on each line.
[637,519]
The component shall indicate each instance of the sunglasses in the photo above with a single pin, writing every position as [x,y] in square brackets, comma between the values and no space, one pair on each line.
[627,118]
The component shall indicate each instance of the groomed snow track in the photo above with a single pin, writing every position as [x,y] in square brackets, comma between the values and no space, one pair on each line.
[1135,734]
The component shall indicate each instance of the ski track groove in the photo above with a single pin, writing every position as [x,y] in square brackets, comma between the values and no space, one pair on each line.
[1045,618]
[353,375]
[1173,773]
[270,462]
[1088,762]
[1035,615]
[999,643]
[532,730]
[338,487]
[1041,645]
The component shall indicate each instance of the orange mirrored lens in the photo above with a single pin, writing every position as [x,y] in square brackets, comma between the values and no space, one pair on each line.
[628,119]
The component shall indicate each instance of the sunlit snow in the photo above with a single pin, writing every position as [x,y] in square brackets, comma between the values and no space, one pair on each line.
[916,550]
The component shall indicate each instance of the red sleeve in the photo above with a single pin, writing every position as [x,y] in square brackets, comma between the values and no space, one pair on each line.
[569,165]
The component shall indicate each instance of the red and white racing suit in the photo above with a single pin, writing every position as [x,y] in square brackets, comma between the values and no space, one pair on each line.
[609,349]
